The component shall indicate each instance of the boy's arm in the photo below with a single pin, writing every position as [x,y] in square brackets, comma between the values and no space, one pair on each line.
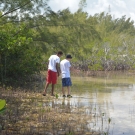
[57,68]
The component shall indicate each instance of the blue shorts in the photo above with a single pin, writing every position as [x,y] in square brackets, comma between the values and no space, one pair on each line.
[66,82]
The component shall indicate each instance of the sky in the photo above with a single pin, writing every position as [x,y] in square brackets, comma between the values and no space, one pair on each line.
[118,8]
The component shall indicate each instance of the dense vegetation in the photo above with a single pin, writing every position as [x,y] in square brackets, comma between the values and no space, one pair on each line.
[30,31]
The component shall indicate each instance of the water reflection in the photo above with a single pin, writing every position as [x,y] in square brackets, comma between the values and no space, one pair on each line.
[111,97]
[116,98]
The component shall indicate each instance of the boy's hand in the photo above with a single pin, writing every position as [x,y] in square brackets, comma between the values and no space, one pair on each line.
[58,74]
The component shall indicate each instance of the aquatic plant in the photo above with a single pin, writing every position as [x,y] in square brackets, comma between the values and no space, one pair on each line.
[2,105]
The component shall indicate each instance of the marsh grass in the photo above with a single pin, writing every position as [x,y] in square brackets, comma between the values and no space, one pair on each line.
[29,113]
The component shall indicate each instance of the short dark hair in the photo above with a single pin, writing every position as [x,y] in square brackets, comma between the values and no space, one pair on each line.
[69,56]
[60,52]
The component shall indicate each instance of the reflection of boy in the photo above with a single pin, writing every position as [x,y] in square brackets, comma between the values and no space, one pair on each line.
[65,72]
[53,71]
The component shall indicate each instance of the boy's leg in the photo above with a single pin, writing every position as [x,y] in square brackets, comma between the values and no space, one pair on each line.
[68,88]
[45,90]
[69,83]
[48,81]
[63,85]
[53,89]
[63,91]
[54,81]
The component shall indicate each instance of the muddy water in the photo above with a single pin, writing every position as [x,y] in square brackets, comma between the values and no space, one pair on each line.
[112,98]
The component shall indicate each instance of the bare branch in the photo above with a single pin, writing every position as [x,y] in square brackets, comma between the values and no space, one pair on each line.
[8,12]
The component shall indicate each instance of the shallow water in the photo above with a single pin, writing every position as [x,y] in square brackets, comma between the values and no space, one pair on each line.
[112,96]
[104,103]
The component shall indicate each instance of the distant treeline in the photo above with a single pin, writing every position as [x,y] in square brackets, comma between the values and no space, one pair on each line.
[30,32]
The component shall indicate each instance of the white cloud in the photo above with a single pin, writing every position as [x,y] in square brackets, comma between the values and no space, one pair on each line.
[121,8]
[119,3]
[97,7]
[63,4]
[132,15]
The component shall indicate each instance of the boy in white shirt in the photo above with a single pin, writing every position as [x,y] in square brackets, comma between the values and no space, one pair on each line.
[53,71]
[65,73]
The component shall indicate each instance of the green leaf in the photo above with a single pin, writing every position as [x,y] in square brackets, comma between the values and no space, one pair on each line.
[2,104]
[57,96]
[3,110]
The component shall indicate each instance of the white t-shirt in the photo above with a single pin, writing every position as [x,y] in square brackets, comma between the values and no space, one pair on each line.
[52,62]
[65,68]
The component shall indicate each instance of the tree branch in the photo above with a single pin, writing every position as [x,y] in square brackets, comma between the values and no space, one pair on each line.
[8,12]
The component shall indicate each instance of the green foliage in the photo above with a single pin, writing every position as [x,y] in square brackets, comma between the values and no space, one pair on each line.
[18,55]
[82,4]
[2,104]
[30,32]
[56,95]
[70,133]
[95,67]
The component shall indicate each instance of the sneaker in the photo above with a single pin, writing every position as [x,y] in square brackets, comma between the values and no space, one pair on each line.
[44,94]
[64,95]
[69,96]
